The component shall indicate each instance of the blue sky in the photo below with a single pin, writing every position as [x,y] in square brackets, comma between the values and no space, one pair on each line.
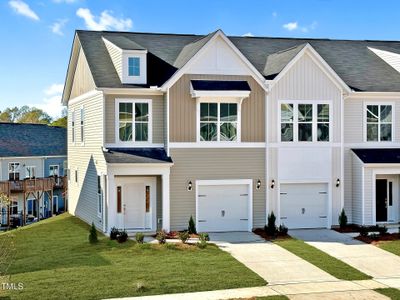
[37,35]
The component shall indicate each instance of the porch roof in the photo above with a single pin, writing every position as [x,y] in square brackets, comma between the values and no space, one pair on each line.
[220,85]
[378,155]
[136,156]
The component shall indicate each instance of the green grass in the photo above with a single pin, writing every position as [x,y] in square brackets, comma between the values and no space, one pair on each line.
[322,260]
[391,246]
[55,260]
[393,294]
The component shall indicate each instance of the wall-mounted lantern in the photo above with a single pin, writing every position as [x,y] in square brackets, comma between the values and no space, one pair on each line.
[272,183]
[337,182]
[189,186]
[258,185]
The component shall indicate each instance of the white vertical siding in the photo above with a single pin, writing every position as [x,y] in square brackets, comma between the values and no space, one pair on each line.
[368,196]
[347,183]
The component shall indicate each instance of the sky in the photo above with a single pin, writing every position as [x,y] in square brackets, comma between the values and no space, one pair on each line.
[36,36]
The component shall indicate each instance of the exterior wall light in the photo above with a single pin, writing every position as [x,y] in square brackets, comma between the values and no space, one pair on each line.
[337,182]
[272,183]
[258,186]
[190,186]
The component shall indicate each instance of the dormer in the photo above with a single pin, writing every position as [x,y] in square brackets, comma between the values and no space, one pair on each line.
[129,59]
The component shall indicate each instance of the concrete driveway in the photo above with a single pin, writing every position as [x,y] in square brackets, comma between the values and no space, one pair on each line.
[273,263]
[369,259]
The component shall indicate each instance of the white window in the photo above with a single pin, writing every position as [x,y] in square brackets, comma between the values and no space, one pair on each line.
[30,172]
[305,122]
[379,123]
[218,122]
[82,125]
[13,171]
[73,127]
[54,170]
[99,197]
[134,121]
[133,66]
[14,207]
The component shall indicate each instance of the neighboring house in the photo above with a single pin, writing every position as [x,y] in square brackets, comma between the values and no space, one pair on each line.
[229,129]
[32,161]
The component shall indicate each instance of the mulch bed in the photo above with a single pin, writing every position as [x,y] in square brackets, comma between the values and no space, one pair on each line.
[376,239]
[348,229]
[261,232]
[175,235]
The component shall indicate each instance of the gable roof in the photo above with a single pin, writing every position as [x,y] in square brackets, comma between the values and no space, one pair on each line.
[23,140]
[351,60]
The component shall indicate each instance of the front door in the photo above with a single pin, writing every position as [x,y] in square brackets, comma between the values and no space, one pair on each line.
[381,200]
[134,206]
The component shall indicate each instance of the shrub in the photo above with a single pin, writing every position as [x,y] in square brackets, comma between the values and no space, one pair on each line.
[140,287]
[122,237]
[283,230]
[139,237]
[203,238]
[270,228]
[114,233]
[192,226]
[363,231]
[342,219]
[184,236]
[382,230]
[161,237]
[93,234]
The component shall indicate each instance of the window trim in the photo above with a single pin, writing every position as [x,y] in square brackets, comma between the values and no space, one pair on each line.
[58,168]
[220,100]
[52,203]
[379,103]
[19,172]
[99,196]
[73,125]
[26,172]
[150,122]
[314,122]
[139,59]
[82,124]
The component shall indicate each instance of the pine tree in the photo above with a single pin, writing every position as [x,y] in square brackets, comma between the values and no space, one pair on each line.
[192,226]
[93,235]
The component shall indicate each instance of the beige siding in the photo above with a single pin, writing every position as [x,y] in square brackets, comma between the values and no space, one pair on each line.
[83,79]
[88,159]
[357,190]
[182,109]
[157,116]
[210,164]
[116,56]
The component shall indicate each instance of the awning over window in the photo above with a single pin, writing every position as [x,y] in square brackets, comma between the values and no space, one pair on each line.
[228,88]
[378,156]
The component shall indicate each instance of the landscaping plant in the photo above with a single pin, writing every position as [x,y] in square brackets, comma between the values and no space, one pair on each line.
[342,219]
[161,237]
[192,226]
[270,228]
[184,236]
[114,233]
[139,237]
[382,230]
[202,243]
[93,234]
[122,237]
[283,230]
[363,231]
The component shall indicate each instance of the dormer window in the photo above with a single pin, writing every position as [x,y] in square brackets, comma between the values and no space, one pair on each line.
[134,66]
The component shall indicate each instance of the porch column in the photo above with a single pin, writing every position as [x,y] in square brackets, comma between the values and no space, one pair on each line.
[165,202]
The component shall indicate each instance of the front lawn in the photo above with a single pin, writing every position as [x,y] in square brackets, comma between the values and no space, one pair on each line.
[392,293]
[321,259]
[55,260]
[391,246]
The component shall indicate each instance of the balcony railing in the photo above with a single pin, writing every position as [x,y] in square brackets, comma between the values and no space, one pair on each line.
[27,185]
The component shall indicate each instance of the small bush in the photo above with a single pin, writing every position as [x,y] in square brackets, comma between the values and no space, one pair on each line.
[283,230]
[374,236]
[270,228]
[382,230]
[140,287]
[342,219]
[122,237]
[93,234]
[114,233]
[192,226]
[184,236]
[363,231]
[161,237]
[203,238]
[139,237]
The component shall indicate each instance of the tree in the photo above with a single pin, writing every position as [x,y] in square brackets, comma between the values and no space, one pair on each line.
[62,121]
[93,235]
[9,115]
[33,116]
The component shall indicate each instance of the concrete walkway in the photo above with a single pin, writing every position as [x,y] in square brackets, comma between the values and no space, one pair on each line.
[273,263]
[367,258]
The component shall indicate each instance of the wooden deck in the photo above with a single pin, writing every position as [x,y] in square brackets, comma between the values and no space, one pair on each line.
[33,185]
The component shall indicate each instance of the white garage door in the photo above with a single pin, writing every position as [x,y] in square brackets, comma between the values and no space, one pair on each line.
[304,205]
[223,208]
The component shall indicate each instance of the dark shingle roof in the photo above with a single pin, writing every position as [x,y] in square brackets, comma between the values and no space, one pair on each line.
[220,85]
[378,156]
[359,67]
[18,140]
[136,156]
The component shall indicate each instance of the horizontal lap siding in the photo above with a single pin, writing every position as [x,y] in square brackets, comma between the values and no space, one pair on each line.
[83,80]
[88,159]
[211,164]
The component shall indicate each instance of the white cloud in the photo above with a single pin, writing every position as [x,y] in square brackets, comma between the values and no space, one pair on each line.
[51,102]
[65,1]
[291,26]
[103,22]
[23,9]
[249,34]
[310,27]
[58,26]
[54,89]
[274,14]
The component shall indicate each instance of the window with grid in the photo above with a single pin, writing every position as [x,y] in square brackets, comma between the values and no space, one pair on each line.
[134,66]
[323,122]
[286,122]
[379,123]
[13,171]
[134,121]
[305,121]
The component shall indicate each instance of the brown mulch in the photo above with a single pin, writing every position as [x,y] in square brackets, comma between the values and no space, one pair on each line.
[374,240]
[261,232]
[348,229]
[175,235]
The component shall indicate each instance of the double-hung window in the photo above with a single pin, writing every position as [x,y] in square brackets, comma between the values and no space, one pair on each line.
[379,123]
[134,66]
[54,170]
[30,172]
[134,121]
[218,122]
[13,171]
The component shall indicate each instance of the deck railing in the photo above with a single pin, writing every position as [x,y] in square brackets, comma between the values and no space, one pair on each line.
[27,185]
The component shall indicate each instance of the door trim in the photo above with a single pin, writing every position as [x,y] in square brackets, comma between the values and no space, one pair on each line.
[248,182]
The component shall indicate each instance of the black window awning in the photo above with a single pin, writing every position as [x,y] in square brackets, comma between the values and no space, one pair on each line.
[220,85]
[378,156]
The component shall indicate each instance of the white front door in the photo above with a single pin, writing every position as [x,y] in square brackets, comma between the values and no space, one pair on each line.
[304,205]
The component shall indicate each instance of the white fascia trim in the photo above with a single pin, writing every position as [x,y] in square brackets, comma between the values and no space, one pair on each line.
[178,74]
[84,96]
[230,94]
[133,145]
[377,95]
[154,91]
[158,165]
[32,157]
[216,145]
[382,145]
[324,66]
[384,166]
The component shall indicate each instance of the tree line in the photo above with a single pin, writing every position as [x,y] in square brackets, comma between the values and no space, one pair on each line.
[31,115]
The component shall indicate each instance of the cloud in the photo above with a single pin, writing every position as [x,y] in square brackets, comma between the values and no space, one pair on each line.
[51,102]
[274,14]
[103,22]
[55,88]
[21,8]
[291,26]
[310,27]
[65,1]
[249,34]
[58,26]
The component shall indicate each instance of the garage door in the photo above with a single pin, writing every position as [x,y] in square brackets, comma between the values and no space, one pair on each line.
[223,208]
[304,205]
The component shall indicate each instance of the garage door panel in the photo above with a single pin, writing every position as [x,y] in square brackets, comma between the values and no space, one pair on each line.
[304,205]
